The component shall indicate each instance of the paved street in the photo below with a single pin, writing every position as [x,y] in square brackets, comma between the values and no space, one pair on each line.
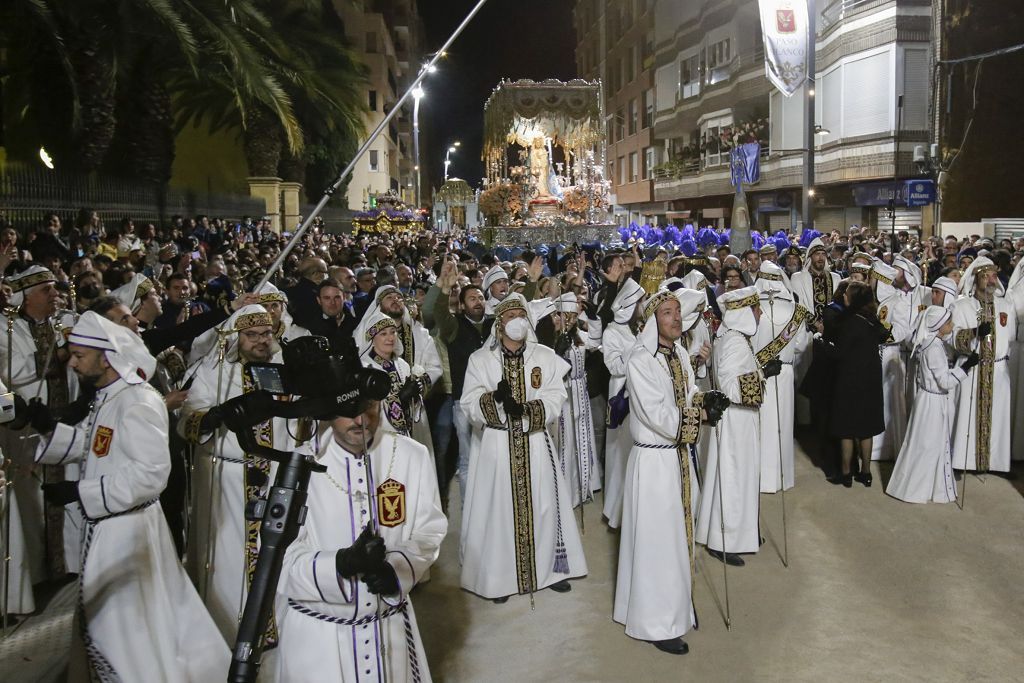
[877,590]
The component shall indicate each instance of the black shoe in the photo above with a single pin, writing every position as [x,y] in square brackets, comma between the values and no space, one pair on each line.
[760,541]
[864,478]
[673,646]
[731,559]
[848,481]
[562,586]
[500,601]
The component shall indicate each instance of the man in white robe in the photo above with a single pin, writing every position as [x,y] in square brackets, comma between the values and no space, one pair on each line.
[33,363]
[616,344]
[813,288]
[781,334]
[577,442]
[734,462]
[373,529]
[518,531]
[897,304]
[984,321]
[223,544]
[654,586]
[139,616]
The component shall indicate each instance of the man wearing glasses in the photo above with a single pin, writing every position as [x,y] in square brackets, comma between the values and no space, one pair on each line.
[223,544]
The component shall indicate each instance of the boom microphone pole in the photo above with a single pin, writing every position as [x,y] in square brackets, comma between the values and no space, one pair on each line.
[381,127]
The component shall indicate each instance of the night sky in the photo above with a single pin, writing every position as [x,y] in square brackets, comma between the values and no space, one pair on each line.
[510,39]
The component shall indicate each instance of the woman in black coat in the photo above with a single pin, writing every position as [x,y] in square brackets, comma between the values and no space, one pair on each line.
[856,413]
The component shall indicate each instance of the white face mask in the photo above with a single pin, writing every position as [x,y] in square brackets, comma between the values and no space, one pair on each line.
[516,329]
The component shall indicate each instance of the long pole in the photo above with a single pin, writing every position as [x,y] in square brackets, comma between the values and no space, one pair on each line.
[896,171]
[778,429]
[718,485]
[5,495]
[416,144]
[381,127]
[807,206]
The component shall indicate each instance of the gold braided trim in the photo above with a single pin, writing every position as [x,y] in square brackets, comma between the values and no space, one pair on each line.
[490,410]
[521,481]
[510,304]
[746,302]
[689,425]
[986,372]
[657,300]
[773,277]
[964,341]
[981,270]
[751,390]
[535,413]
[881,278]
[271,297]
[144,288]
[379,327]
[244,322]
[19,284]
[775,347]
[193,432]
[698,400]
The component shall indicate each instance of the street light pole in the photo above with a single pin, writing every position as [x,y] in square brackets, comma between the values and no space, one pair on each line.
[809,130]
[417,96]
[448,157]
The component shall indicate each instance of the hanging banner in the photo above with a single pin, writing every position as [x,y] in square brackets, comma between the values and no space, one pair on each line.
[784,27]
[745,164]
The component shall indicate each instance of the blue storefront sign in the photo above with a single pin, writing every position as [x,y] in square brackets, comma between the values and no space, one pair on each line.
[909,193]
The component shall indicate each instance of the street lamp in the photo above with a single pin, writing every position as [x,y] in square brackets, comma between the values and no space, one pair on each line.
[417,95]
[448,157]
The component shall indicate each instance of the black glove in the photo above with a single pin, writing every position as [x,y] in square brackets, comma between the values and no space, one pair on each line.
[213,419]
[716,401]
[984,329]
[78,410]
[61,493]
[591,309]
[21,414]
[713,415]
[383,581]
[247,410]
[513,409]
[409,391]
[365,555]
[971,361]
[772,368]
[40,417]
[502,393]
[563,342]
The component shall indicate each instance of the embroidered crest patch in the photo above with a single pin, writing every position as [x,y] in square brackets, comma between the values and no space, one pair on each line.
[883,313]
[535,378]
[391,503]
[1002,319]
[101,442]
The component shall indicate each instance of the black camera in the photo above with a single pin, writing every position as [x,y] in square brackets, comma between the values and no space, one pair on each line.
[313,370]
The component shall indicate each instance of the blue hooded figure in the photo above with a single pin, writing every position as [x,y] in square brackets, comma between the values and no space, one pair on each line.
[723,239]
[707,237]
[756,240]
[808,236]
[781,241]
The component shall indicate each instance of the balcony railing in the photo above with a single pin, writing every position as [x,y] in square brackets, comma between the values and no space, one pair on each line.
[837,10]
[694,166]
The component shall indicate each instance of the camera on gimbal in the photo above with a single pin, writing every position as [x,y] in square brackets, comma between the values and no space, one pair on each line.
[333,379]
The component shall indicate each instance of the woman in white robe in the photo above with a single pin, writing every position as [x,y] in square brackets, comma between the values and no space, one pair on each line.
[654,585]
[380,348]
[924,469]
[616,344]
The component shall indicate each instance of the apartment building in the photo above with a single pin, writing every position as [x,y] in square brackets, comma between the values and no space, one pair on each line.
[615,43]
[388,34]
[705,77]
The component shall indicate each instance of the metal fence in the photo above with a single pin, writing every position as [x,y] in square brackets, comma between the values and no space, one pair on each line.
[28,194]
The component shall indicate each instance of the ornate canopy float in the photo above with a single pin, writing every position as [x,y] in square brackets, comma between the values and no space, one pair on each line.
[543,149]
[455,205]
[389,215]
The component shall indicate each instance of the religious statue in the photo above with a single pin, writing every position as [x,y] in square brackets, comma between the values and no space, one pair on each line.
[539,166]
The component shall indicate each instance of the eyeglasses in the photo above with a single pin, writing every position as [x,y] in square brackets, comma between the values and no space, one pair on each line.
[256,336]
